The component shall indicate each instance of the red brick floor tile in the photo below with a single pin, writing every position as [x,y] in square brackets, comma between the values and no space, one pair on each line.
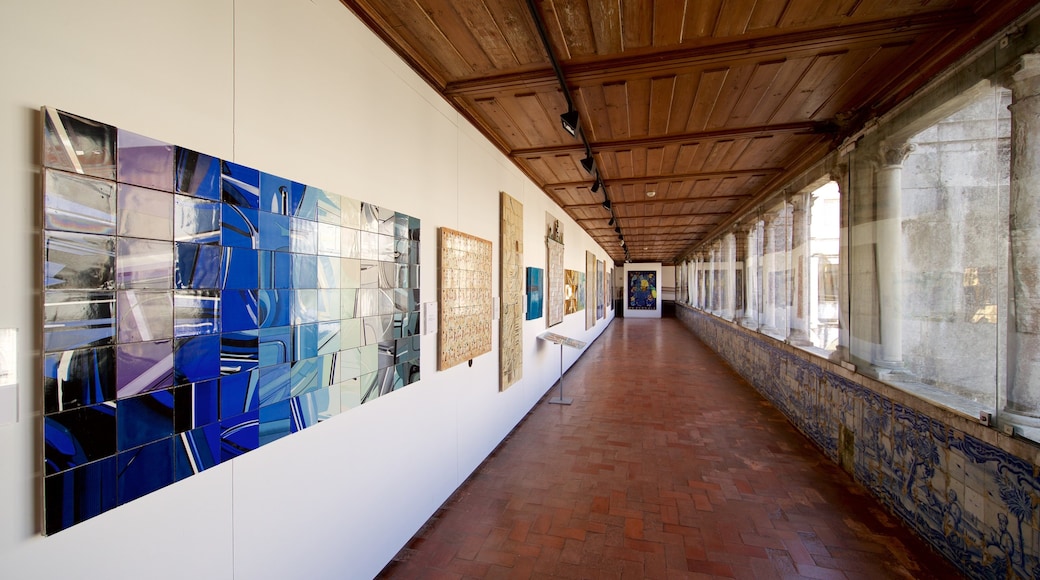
[667,465]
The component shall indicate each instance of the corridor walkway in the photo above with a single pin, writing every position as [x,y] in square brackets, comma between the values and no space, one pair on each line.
[667,465]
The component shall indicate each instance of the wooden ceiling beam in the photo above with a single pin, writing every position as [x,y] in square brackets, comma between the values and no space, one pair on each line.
[666,177]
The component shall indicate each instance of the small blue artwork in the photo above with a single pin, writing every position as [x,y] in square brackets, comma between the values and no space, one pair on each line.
[196,309]
[535,293]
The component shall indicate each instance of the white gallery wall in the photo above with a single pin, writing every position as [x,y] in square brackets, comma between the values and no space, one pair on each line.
[305,91]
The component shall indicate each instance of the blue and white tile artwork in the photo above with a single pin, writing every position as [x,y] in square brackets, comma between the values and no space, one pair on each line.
[196,309]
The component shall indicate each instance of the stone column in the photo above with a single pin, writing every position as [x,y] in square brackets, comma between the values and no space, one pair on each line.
[702,290]
[1023,396]
[839,174]
[798,311]
[729,256]
[751,277]
[768,268]
[889,235]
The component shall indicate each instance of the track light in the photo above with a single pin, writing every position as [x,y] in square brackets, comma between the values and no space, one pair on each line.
[596,185]
[612,220]
[622,242]
[617,230]
[570,122]
[589,163]
[606,203]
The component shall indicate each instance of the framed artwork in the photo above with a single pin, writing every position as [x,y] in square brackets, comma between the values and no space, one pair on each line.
[590,290]
[574,290]
[555,287]
[601,290]
[196,309]
[511,318]
[534,293]
[642,290]
[466,302]
[553,228]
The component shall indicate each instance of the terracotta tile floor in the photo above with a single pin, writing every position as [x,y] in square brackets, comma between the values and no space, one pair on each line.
[667,465]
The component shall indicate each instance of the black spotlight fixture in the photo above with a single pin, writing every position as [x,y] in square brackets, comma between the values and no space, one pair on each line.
[569,120]
[589,163]
[596,185]
[617,230]
[622,242]
[606,204]
[611,222]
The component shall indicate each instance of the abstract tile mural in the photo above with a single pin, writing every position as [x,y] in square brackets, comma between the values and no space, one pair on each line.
[590,290]
[466,301]
[555,291]
[196,309]
[642,290]
[535,292]
[975,502]
[511,320]
[574,291]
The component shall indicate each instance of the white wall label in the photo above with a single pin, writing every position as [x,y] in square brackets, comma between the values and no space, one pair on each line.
[8,376]
[429,318]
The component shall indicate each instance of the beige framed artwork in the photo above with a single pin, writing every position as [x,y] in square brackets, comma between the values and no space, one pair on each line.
[465,294]
[511,318]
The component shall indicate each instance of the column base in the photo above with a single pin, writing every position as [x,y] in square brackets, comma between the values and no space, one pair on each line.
[749,323]
[886,371]
[798,338]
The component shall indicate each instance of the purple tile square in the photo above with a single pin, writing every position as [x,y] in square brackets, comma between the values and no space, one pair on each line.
[145,213]
[144,315]
[143,366]
[144,264]
[144,161]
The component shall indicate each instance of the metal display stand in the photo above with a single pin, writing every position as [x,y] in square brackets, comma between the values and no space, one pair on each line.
[562,341]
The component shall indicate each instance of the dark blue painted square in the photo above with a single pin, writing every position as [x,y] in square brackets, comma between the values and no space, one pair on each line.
[144,419]
[304,271]
[240,185]
[78,378]
[275,194]
[239,351]
[196,405]
[196,358]
[196,312]
[239,393]
[238,310]
[196,450]
[239,435]
[239,269]
[197,266]
[274,231]
[275,345]
[275,270]
[275,308]
[144,470]
[274,422]
[197,174]
[196,220]
[275,384]
[79,494]
[239,227]
[78,436]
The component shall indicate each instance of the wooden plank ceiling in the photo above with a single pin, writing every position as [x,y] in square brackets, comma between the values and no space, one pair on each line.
[707,104]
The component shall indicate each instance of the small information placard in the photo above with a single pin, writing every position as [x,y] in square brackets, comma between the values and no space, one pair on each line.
[8,376]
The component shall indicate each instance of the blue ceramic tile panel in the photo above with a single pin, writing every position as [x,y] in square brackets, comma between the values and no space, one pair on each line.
[275,384]
[239,435]
[402,301]
[328,268]
[76,203]
[369,387]
[78,261]
[369,218]
[196,312]
[408,372]
[329,208]
[78,319]
[348,303]
[349,333]
[349,243]
[239,227]
[239,351]
[274,231]
[240,185]
[305,201]
[369,274]
[145,213]
[406,349]
[238,310]
[79,145]
[350,213]
[328,305]
[142,367]
[329,239]
[275,194]
[196,405]
[305,306]
[144,161]
[196,358]
[79,494]
[239,393]
[78,378]
[369,245]
[144,419]
[402,251]
[196,220]
[387,275]
[306,375]
[144,264]
[304,341]
[348,364]
[197,174]
[144,315]
[240,269]
[387,353]
[304,236]
[387,248]
[196,450]
[196,266]
[401,226]
[328,337]
[314,407]
[275,345]
[79,436]
[413,230]
[275,270]
[144,470]
[368,302]
[275,308]
[304,271]
[274,422]
[377,328]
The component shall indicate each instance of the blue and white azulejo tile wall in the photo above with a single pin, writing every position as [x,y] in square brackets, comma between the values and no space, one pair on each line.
[196,309]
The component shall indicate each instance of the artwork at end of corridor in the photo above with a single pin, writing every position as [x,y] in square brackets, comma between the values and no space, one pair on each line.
[642,290]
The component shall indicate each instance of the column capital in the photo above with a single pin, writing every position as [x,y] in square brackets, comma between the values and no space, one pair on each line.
[1023,77]
[891,155]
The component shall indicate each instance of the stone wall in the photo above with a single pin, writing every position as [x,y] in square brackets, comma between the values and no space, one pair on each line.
[969,490]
